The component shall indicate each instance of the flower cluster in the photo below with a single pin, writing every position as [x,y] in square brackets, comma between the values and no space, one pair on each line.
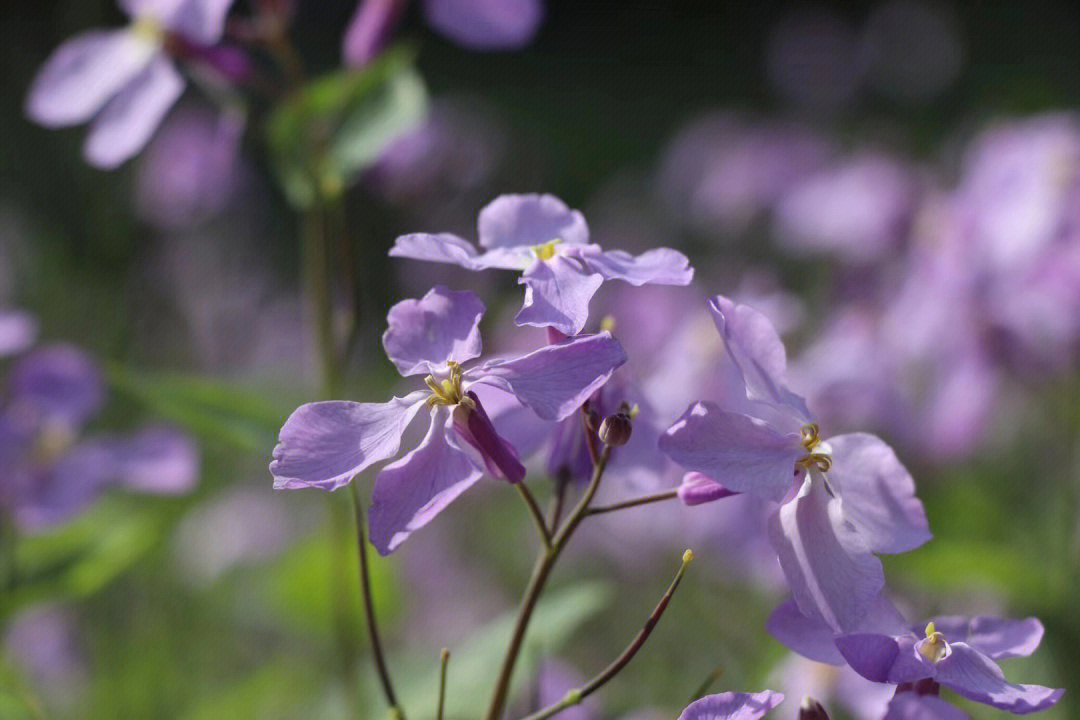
[836,502]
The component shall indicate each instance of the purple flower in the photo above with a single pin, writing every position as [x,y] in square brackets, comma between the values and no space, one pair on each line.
[539,236]
[841,501]
[732,706]
[122,79]
[52,472]
[18,330]
[486,24]
[325,444]
[370,30]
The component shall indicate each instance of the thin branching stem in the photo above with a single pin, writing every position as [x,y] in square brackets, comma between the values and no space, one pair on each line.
[444,661]
[535,512]
[634,502]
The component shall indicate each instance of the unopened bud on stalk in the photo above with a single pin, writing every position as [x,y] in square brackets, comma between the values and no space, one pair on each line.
[811,710]
[616,429]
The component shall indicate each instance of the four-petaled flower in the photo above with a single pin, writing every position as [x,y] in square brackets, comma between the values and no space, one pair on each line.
[325,444]
[123,77]
[539,236]
[841,500]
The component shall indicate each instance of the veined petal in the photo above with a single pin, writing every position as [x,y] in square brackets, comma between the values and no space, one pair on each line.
[758,352]
[529,220]
[440,247]
[410,492]
[810,638]
[877,493]
[324,444]
[912,706]
[698,489]
[84,72]
[660,266]
[832,574]
[742,453]
[125,125]
[884,658]
[968,672]
[556,379]
[424,334]
[732,706]
[1001,638]
[557,294]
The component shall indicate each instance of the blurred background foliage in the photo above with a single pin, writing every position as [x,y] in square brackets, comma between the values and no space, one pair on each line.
[229,601]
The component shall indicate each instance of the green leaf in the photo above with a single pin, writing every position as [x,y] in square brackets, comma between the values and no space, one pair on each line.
[210,408]
[474,663]
[322,136]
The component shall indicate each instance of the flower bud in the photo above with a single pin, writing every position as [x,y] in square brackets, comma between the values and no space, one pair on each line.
[811,710]
[616,429]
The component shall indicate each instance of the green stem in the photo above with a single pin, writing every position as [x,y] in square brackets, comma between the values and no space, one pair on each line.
[369,605]
[444,661]
[545,561]
[535,513]
[634,502]
[575,696]
[317,280]
[703,688]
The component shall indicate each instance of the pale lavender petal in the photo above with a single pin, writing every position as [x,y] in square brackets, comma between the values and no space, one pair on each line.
[200,20]
[529,220]
[370,30]
[732,706]
[877,493]
[757,350]
[659,266]
[18,330]
[325,444]
[410,492]
[832,574]
[1001,638]
[555,380]
[697,489]
[157,460]
[742,453]
[83,73]
[884,658]
[557,294]
[911,706]
[424,334]
[486,24]
[447,248]
[55,384]
[968,672]
[810,638]
[125,125]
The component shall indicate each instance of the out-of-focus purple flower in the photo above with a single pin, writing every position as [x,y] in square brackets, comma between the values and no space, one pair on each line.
[859,210]
[370,30]
[911,49]
[812,58]
[539,236]
[732,706]
[123,80]
[326,444]
[18,330]
[486,24]
[191,168]
[52,472]
[723,172]
[43,641]
[834,686]
[842,500]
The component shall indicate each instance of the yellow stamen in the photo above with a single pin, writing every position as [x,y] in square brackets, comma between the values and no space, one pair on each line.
[148,28]
[935,647]
[448,392]
[608,324]
[547,250]
[810,436]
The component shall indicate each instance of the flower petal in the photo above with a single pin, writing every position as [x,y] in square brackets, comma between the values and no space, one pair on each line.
[441,247]
[697,489]
[556,379]
[157,460]
[968,672]
[200,20]
[370,29]
[758,352]
[486,24]
[557,294]
[132,116]
[410,492]
[810,638]
[832,574]
[83,73]
[528,220]
[62,491]
[742,453]
[877,493]
[659,266]
[912,706]
[325,444]
[18,330]
[56,384]
[732,706]
[424,334]
[1001,638]
[884,658]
